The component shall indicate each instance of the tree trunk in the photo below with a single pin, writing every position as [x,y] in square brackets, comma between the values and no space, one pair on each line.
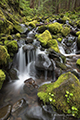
[32,3]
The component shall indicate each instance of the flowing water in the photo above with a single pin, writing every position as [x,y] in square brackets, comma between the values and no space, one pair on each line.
[15,89]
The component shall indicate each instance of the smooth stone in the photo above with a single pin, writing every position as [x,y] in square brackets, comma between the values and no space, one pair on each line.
[5,112]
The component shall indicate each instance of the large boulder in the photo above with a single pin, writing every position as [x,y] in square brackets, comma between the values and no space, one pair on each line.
[64,94]
[55,27]
[44,37]
[4,56]
[2,78]
[12,47]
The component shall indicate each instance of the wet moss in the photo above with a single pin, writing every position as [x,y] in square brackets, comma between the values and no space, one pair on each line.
[78,33]
[66,82]
[55,27]
[59,39]
[18,35]
[2,78]
[53,44]
[44,37]
[12,47]
[4,56]
[78,62]
[65,31]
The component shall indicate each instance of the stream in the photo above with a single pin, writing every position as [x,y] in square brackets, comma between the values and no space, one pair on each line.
[21,93]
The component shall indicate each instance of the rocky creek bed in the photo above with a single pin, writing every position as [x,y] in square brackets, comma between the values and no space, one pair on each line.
[41,64]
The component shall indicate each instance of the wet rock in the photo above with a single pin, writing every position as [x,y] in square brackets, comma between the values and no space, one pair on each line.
[29,40]
[43,62]
[21,28]
[30,86]
[61,65]
[5,112]
[28,47]
[13,74]
[19,104]
[48,109]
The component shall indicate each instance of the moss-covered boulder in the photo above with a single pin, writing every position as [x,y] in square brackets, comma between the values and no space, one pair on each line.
[42,28]
[32,23]
[44,37]
[64,94]
[12,47]
[18,35]
[78,23]
[4,56]
[53,44]
[2,78]
[65,31]
[55,27]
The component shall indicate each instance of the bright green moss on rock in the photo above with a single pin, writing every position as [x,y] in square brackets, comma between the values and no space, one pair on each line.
[78,23]
[2,78]
[78,62]
[65,31]
[4,56]
[18,35]
[55,27]
[44,37]
[66,82]
[12,47]
[42,28]
[59,39]
[64,19]
[78,33]
[32,23]
[53,44]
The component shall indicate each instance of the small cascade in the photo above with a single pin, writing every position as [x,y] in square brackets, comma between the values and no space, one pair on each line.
[22,60]
[46,74]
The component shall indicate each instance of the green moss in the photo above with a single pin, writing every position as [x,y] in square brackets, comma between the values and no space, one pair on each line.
[9,37]
[44,37]
[2,78]
[64,19]
[55,27]
[42,28]
[4,56]
[59,39]
[65,31]
[78,33]
[53,44]
[12,47]
[78,62]
[66,82]
[32,23]
[78,23]
[61,65]
[18,35]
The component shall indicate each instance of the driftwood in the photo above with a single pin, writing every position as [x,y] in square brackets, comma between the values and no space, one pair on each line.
[42,24]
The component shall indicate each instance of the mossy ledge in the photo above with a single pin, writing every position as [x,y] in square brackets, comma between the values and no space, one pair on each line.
[66,82]
[2,78]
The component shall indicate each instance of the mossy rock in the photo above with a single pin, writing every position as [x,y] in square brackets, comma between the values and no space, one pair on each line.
[12,47]
[2,78]
[59,39]
[78,23]
[78,42]
[65,31]
[78,62]
[64,19]
[32,23]
[78,33]
[9,37]
[18,35]
[64,94]
[53,44]
[55,27]
[44,37]
[4,56]
[61,65]
[42,28]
